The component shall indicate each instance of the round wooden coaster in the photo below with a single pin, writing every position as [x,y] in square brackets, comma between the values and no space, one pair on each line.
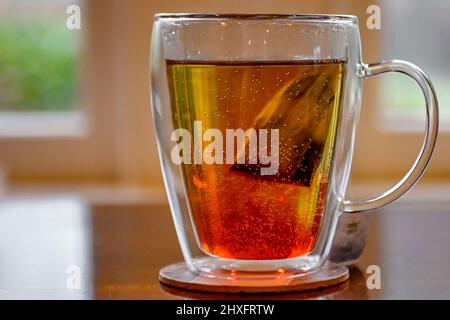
[177,275]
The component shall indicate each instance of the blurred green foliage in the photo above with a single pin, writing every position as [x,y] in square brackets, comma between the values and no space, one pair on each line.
[401,93]
[38,69]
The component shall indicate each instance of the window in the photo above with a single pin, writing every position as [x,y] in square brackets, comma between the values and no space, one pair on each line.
[38,57]
[56,107]
[39,69]
[393,109]
[417,33]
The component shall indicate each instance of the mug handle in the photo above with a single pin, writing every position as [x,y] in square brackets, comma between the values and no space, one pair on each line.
[431,131]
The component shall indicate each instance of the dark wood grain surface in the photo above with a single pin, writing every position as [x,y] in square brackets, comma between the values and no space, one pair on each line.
[118,249]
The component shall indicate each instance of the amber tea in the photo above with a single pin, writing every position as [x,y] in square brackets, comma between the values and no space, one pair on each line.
[238,212]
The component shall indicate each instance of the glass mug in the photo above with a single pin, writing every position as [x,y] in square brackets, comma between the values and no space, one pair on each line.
[255,118]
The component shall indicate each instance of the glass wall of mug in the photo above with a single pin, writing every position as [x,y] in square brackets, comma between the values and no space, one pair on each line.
[255,118]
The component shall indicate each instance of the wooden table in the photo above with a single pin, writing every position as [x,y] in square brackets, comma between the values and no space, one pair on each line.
[65,248]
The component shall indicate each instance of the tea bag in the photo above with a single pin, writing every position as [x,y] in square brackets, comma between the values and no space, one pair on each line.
[301,110]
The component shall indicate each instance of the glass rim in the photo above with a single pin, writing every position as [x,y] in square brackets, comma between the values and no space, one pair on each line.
[330,18]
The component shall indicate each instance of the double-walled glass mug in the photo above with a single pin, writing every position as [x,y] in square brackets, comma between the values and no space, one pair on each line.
[255,118]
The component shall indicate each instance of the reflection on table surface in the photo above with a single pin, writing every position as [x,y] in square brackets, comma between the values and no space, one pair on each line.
[64,248]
